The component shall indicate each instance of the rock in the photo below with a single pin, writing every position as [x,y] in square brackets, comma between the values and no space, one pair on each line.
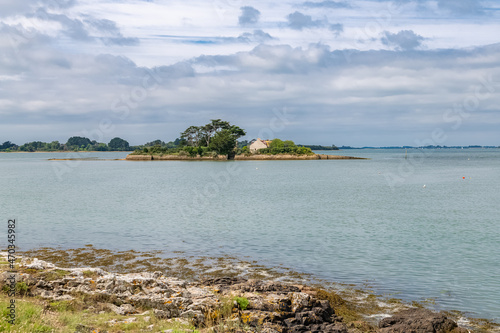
[161,314]
[123,309]
[39,265]
[264,286]
[196,317]
[86,329]
[300,301]
[417,321]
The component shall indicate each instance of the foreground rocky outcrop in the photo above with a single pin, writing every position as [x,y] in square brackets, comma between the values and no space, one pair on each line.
[224,304]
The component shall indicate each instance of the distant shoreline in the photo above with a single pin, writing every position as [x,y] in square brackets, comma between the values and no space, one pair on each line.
[64,151]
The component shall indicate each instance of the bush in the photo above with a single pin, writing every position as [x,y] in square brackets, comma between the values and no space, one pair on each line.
[242,302]
[192,151]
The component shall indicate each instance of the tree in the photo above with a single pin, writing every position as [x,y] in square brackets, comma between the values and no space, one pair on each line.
[155,143]
[211,128]
[277,144]
[101,147]
[54,145]
[118,144]
[193,135]
[224,142]
[78,141]
[7,145]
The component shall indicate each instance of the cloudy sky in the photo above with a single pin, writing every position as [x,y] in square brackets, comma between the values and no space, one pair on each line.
[360,73]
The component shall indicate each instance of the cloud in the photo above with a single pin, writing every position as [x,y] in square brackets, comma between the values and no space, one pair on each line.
[299,21]
[73,28]
[20,7]
[80,30]
[249,15]
[326,4]
[327,91]
[111,32]
[403,40]
[337,28]
[257,36]
[463,7]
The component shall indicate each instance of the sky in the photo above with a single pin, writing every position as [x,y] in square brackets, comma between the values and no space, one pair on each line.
[358,73]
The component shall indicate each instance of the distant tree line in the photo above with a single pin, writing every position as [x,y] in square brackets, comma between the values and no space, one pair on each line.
[319,147]
[75,143]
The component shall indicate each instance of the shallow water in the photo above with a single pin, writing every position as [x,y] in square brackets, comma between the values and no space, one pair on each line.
[354,221]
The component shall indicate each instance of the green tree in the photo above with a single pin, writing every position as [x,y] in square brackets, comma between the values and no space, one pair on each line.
[276,146]
[224,142]
[7,145]
[78,141]
[118,144]
[209,130]
[101,147]
[193,135]
[54,145]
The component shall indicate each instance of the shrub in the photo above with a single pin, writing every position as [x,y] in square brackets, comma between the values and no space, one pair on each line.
[242,302]
[192,151]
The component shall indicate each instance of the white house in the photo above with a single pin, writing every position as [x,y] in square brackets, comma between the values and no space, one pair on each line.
[258,144]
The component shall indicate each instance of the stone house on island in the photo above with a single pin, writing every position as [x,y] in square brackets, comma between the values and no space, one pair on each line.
[258,144]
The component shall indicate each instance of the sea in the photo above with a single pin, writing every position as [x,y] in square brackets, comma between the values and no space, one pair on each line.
[416,224]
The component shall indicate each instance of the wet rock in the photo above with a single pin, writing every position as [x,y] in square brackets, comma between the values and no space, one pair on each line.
[418,321]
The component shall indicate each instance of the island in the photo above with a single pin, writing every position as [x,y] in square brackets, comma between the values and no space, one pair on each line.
[218,140]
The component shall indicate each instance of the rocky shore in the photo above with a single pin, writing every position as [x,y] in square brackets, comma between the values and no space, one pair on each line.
[147,301]
[132,157]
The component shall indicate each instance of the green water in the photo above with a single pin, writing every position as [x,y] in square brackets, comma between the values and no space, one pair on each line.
[355,221]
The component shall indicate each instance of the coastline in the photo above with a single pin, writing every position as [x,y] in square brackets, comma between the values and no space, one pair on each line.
[130,286]
[282,157]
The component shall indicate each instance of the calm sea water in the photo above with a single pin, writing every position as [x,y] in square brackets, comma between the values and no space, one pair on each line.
[359,221]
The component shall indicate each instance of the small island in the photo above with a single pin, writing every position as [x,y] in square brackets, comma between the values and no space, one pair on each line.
[218,140]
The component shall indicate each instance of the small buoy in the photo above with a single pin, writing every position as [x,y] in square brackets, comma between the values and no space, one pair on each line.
[463,177]
[256,168]
[424,186]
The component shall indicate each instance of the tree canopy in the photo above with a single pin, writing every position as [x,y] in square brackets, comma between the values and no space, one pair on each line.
[218,135]
[78,141]
[118,144]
